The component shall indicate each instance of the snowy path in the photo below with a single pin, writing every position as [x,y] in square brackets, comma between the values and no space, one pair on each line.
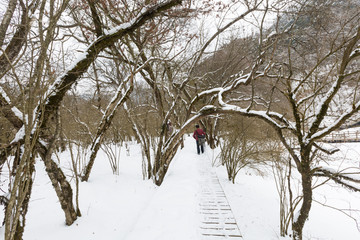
[216,218]
[189,205]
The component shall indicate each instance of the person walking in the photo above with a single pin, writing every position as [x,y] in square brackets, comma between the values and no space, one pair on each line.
[199,136]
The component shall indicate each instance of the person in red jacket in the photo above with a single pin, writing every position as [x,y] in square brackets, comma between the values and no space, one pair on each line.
[199,136]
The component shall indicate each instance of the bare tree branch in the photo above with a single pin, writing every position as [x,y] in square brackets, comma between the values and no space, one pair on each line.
[344,179]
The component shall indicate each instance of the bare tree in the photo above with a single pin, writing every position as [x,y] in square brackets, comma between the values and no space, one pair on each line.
[38,130]
[308,81]
[242,145]
[172,95]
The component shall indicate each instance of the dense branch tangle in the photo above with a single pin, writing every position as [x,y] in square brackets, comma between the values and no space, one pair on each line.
[309,110]
[48,107]
[174,91]
[170,85]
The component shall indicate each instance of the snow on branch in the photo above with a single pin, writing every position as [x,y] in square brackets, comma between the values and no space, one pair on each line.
[120,95]
[336,124]
[214,36]
[205,93]
[236,80]
[275,119]
[13,114]
[119,98]
[58,89]
[348,180]
[355,53]
[325,101]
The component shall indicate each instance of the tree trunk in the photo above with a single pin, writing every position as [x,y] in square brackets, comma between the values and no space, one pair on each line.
[161,165]
[58,179]
[18,203]
[6,20]
[17,41]
[63,190]
[149,165]
[105,123]
[303,215]
[160,174]
[210,129]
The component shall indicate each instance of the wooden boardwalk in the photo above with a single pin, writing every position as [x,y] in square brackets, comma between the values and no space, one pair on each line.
[217,221]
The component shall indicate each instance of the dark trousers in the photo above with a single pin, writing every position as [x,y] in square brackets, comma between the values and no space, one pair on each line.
[199,145]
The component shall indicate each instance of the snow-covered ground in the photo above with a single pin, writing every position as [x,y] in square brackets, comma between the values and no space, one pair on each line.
[126,207]
[255,202]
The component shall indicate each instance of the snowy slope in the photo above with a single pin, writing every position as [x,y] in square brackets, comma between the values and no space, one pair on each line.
[125,207]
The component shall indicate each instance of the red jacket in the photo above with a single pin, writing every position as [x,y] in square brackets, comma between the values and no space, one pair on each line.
[198,132]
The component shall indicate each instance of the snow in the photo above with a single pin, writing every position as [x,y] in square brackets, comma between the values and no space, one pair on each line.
[118,28]
[355,52]
[127,207]
[254,202]
[17,112]
[19,135]
[4,95]
[83,55]
[336,122]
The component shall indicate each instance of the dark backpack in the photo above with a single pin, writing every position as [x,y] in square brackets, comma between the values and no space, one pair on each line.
[201,138]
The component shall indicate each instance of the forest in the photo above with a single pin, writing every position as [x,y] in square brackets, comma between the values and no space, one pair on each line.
[268,81]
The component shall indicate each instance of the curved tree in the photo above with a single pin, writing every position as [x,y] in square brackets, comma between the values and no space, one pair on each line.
[309,81]
[39,135]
